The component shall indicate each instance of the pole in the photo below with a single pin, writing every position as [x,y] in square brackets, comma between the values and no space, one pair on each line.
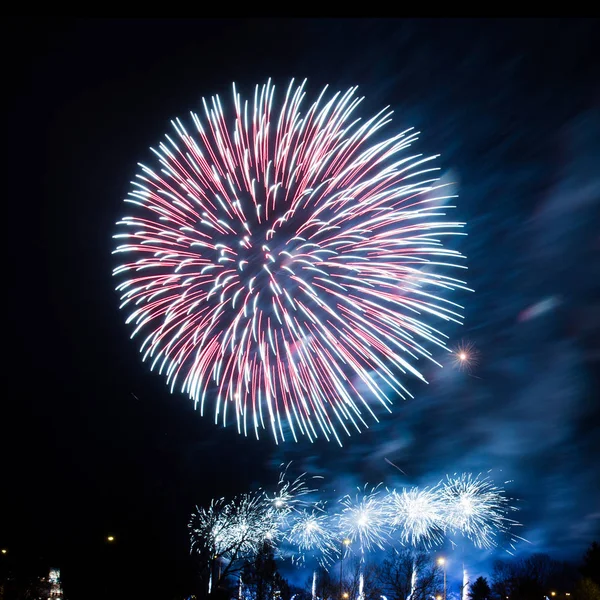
[341,569]
[444,580]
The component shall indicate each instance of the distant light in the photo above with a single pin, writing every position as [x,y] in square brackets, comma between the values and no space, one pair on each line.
[462,356]
[110,538]
[346,542]
[441,560]
[553,593]
[4,550]
[345,595]
[438,597]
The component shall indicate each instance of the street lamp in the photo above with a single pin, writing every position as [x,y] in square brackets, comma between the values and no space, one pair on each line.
[346,543]
[442,562]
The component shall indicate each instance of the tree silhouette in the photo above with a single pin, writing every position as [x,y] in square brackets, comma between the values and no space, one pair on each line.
[480,590]
[404,571]
[260,578]
[591,563]
[586,589]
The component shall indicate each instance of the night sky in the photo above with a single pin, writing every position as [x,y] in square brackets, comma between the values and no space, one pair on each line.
[92,442]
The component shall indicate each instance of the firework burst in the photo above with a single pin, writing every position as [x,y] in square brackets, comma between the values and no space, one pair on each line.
[290,495]
[287,263]
[477,509]
[465,356]
[311,534]
[417,516]
[234,529]
[363,519]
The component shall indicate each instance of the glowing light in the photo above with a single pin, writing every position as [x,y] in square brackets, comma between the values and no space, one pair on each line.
[282,264]
[466,356]
[110,538]
[4,551]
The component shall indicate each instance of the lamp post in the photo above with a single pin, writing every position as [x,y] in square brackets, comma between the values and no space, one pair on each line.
[345,544]
[442,562]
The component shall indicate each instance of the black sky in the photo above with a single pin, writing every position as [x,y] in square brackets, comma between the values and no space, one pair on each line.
[93,444]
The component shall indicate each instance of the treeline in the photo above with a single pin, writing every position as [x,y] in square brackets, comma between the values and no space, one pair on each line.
[410,575]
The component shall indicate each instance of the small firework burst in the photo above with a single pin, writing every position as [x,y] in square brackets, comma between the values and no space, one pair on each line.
[311,534]
[465,356]
[477,509]
[417,516]
[290,494]
[363,519]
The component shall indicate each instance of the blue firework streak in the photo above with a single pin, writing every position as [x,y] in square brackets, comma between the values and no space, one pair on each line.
[285,264]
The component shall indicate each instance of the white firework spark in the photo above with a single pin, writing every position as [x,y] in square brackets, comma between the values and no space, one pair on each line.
[311,533]
[417,515]
[290,495]
[363,519]
[476,508]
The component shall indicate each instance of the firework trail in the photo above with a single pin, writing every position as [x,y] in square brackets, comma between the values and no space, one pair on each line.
[288,263]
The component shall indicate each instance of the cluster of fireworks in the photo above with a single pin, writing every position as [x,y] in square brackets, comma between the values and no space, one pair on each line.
[289,263]
[291,521]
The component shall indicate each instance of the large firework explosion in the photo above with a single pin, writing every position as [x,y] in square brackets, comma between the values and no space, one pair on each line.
[288,263]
